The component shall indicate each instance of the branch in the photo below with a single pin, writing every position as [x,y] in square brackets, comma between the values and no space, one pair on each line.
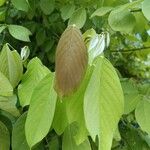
[131,50]
[136,10]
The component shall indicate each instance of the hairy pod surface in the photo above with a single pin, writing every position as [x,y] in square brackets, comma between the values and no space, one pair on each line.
[71,61]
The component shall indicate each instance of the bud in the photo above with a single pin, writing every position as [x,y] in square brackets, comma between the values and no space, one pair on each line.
[71,61]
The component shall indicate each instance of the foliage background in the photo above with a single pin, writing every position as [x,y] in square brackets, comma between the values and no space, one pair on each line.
[36,26]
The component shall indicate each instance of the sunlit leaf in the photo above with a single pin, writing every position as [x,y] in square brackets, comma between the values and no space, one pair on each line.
[41,110]
[36,71]
[131,96]
[19,141]
[6,88]
[21,4]
[11,65]
[2,2]
[68,142]
[19,32]
[103,103]
[142,115]
[75,112]
[146,8]
[78,18]
[9,104]
[101,11]
[60,116]
[122,20]
[67,11]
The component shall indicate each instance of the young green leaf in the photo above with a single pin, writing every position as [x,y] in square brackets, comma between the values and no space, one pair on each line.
[11,65]
[146,8]
[103,103]
[19,66]
[21,4]
[60,116]
[18,134]
[36,71]
[131,96]
[74,109]
[41,110]
[9,104]
[54,143]
[3,27]
[69,143]
[78,18]
[142,115]
[2,2]
[19,141]
[47,6]
[40,36]
[122,20]
[67,11]
[4,137]
[101,11]
[6,88]
[19,32]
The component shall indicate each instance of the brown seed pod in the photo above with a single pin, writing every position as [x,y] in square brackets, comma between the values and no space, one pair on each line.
[71,61]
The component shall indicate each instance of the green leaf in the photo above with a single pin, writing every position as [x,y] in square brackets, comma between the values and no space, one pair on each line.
[142,115]
[146,8]
[2,28]
[11,65]
[2,2]
[19,66]
[6,88]
[18,134]
[101,11]
[41,111]
[74,108]
[60,121]
[34,74]
[67,11]
[132,140]
[117,136]
[21,4]
[9,104]
[68,142]
[54,143]
[4,137]
[131,96]
[103,103]
[141,23]
[3,15]
[40,37]
[19,141]
[47,6]
[121,20]
[19,32]
[78,18]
